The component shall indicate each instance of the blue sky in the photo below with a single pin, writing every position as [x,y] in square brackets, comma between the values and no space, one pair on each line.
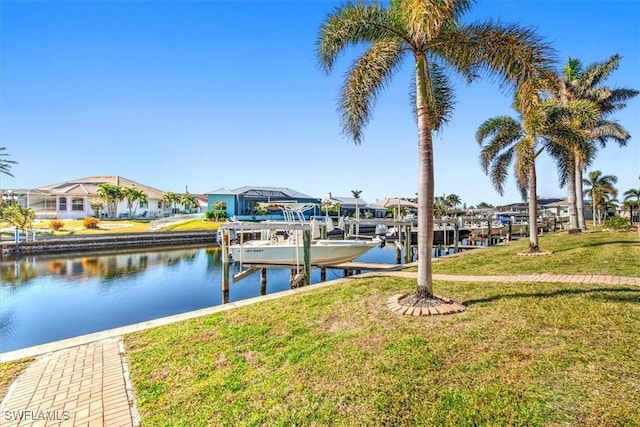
[210,94]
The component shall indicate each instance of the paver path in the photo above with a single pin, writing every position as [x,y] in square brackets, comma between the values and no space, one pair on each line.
[524,278]
[87,385]
[79,386]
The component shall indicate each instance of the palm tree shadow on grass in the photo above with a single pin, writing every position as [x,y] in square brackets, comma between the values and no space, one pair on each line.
[626,243]
[619,294]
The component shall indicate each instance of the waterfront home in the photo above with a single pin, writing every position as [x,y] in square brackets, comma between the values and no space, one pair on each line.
[347,206]
[244,203]
[547,207]
[72,199]
[405,207]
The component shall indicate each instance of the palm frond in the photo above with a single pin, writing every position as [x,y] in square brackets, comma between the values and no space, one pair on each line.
[424,20]
[499,170]
[351,24]
[608,130]
[442,98]
[512,53]
[368,76]
[597,72]
[563,157]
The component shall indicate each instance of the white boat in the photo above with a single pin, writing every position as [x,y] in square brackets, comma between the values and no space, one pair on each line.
[322,252]
[287,246]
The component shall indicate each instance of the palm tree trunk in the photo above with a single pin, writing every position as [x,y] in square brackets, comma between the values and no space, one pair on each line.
[571,197]
[580,197]
[425,183]
[593,203]
[533,210]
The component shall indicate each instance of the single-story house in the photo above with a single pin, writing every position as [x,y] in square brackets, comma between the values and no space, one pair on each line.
[73,199]
[547,207]
[410,208]
[244,203]
[348,206]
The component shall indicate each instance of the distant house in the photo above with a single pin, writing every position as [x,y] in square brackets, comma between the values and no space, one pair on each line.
[411,208]
[72,199]
[243,203]
[547,207]
[347,207]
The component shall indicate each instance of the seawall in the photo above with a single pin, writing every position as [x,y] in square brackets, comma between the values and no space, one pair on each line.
[54,244]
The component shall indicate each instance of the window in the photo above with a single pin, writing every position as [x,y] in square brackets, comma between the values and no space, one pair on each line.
[77,204]
[160,204]
[62,204]
[223,206]
[144,204]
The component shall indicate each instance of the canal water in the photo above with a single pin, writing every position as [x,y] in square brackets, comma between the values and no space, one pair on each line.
[49,298]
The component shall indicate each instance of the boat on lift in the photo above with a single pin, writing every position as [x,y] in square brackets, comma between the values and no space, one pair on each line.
[283,241]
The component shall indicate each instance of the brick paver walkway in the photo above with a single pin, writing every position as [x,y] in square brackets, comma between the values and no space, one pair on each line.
[528,278]
[87,385]
[79,386]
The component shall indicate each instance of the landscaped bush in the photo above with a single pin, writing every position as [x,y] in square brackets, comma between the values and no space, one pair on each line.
[215,215]
[91,222]
[56,224]
[617,223]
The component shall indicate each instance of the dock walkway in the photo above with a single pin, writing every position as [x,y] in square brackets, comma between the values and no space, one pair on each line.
[88,384]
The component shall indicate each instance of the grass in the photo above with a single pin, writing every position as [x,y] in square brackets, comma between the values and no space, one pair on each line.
[595,252]
[76,226]
[522,354]
[526,354]
[10,371]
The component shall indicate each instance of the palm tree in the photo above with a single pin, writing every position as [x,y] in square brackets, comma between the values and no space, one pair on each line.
[432,34]
[453,200]
[577,83]
[356,195]
[112,195]
[632,201]
[600,187]
[133,195]
[189,201]
[171,199]
[507,141]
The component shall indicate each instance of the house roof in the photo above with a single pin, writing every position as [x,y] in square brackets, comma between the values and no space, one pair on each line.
[222,192]
[389,203]
[349,201]
[270,192]
[89,186]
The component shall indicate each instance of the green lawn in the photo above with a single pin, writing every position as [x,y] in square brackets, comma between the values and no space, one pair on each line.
[595,252]
[526,354]
[521,354]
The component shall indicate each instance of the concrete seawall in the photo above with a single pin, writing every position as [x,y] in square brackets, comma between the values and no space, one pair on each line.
[53,244]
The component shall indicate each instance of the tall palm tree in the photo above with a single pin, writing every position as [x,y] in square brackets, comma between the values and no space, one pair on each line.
[133,196]
[577,83]
[356,195]
[170,198]
[431,33]
[112,195]
[189,201]
[507,141]
[600,187]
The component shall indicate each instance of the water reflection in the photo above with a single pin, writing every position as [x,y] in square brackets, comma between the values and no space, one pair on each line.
[107,266]
[45,299]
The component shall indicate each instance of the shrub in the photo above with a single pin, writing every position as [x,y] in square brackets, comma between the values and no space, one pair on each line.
[215,215]
[617,223]
[56,224]
[91,222]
